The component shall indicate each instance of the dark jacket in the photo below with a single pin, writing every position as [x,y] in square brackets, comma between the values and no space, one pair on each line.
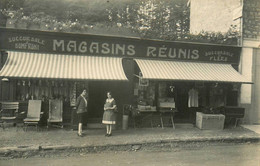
[81,105]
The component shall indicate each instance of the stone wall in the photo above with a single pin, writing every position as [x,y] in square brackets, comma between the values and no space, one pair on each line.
[251,19]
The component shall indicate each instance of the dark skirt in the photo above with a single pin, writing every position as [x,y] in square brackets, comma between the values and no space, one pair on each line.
[80,117]
[81,110]
[109,117]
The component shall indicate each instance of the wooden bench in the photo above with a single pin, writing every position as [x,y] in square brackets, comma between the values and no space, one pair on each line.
[232,112]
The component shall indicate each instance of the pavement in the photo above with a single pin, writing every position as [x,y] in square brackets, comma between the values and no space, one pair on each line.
[17,140]
[255,128]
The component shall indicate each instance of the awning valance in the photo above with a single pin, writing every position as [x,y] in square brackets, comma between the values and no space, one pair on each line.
[57,66]
[189,71]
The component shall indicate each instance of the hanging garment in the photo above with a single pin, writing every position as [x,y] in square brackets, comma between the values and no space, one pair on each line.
[193,98]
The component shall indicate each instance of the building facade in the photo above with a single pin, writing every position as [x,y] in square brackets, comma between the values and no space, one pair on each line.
[151,75]
[245,16]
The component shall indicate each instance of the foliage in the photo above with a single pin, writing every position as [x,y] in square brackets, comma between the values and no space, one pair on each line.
[151,19]
[11,4]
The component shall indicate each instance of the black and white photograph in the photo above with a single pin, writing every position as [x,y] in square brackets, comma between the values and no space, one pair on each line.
[130,82]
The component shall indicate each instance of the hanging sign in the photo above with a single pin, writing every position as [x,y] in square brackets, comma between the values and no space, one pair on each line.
[142,82]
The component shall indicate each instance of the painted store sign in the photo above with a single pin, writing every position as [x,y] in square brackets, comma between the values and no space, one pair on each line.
[95,45]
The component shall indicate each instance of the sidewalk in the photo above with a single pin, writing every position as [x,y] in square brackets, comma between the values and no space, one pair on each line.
[54,138]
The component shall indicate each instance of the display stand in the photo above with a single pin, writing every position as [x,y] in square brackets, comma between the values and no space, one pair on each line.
[167,110]
[166,113]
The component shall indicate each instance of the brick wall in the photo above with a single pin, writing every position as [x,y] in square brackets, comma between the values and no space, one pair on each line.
[251,19]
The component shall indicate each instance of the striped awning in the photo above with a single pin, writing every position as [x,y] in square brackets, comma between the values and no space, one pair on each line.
[57,66]
[189,71]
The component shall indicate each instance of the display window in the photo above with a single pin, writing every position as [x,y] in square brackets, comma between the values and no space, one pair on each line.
[145,96]
[166,95]
[45,90]
[154,96]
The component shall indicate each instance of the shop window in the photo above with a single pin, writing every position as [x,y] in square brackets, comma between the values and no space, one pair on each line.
[46,89]
[232,95]
[145,96]
[166,95]
[217,97]
[202,95]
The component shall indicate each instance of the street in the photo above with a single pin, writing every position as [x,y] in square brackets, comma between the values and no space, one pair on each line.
[197,154]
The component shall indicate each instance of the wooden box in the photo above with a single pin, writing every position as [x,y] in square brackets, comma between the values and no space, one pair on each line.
[210,121]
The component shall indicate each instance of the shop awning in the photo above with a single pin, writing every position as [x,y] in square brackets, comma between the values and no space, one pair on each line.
[57,66]
[189,71]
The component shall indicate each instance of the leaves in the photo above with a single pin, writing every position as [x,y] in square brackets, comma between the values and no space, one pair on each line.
[151,19]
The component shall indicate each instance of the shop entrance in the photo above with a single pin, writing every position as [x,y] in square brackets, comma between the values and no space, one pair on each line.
[98,94]
[96,98]
[182,89]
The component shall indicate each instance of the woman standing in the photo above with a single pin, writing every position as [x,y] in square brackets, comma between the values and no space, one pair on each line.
[81,105]
[109,117]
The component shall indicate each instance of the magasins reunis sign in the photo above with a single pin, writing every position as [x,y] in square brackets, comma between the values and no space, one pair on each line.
[96,45]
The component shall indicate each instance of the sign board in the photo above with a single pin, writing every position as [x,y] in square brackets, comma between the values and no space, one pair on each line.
[96,45]
[142,82]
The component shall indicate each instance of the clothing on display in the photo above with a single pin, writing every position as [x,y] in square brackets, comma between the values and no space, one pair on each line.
[193,98]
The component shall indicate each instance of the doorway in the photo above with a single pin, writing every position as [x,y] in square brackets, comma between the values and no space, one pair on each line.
[98,93]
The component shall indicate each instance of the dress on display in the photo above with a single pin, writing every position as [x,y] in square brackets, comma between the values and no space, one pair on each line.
[193,98]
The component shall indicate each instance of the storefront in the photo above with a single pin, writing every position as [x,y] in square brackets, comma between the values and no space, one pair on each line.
[191,87]
[148,74]
[45,83]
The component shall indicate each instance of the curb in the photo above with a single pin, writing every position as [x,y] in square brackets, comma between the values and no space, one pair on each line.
[91,148]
